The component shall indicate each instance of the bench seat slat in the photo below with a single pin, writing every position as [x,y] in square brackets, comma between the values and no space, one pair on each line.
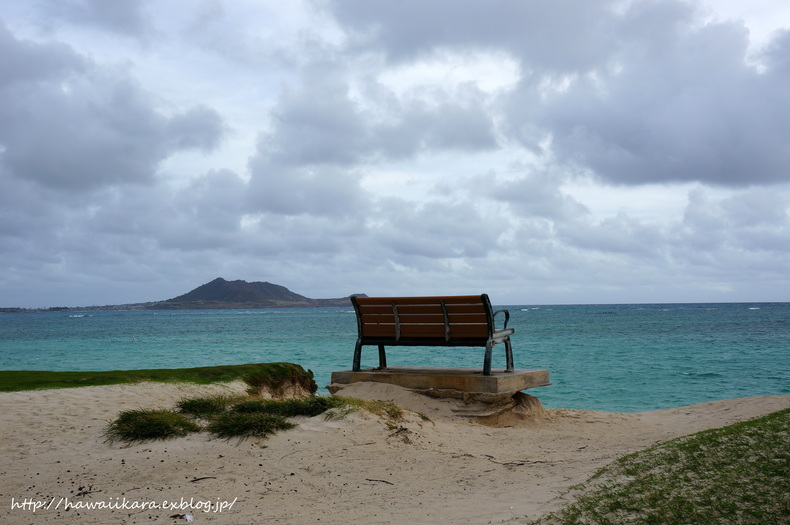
[378,318]
[429,330]
[453,319]
[423,309]
[435,330]
[425,318]
[424,330]
[433,309]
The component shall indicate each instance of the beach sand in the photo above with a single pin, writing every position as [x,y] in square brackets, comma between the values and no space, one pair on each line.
[435,467]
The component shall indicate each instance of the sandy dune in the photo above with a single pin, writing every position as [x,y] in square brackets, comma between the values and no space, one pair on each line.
[435,467]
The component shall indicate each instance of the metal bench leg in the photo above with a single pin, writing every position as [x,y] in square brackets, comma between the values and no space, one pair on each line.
[357,356]
[487,358]
[509,355]
[382,357]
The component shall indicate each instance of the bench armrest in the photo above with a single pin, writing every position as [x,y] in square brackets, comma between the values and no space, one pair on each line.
[507,317]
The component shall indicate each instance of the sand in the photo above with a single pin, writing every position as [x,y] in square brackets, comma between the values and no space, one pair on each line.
[443,469]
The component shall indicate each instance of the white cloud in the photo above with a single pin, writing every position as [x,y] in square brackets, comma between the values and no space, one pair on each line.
[449,70]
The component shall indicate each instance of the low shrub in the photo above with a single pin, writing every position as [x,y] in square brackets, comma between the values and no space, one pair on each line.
[308,406]
[146,425]
[206,407]
[236,416]
[250,424]
[277,377]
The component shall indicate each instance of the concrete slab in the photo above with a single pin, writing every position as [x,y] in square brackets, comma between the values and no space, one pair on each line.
[466,380]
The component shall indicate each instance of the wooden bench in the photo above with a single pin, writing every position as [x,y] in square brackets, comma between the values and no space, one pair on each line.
[465,320]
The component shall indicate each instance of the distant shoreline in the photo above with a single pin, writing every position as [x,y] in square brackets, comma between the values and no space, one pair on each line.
[315,303]
[218,294]
[318,303]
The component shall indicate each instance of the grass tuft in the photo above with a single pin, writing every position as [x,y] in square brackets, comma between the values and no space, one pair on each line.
[227,416]
[237,416]
[206,407]
[276,377]
[384,409]
[735,474]
[148,425]
[249,424]
[309,406]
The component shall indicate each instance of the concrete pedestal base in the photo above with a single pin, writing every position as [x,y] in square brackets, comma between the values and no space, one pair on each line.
[466,383]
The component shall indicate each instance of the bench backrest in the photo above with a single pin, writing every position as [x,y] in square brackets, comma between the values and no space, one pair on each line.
[424,319]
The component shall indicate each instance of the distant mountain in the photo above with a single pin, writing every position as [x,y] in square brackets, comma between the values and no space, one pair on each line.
[220,293]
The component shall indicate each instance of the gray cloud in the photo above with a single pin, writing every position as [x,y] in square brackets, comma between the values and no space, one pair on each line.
[677,103]
[76,125]
[317,124]
[126,18]
[312,190]
[755,222]
[320,123]
[437,230]
[639,96]
[536,194]
[205,215]
[321,157]
[776,55]
[454,125]
[98,129]
[24,61]
[567,35]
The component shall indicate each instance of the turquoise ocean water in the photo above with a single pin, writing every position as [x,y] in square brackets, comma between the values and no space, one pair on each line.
[622,358]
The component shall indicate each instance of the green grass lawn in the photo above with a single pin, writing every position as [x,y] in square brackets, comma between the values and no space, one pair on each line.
[739,474]
[271,374]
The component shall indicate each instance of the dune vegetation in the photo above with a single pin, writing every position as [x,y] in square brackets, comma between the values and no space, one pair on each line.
[739,474]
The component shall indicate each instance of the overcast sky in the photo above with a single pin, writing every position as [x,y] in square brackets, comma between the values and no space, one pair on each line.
[572,151]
